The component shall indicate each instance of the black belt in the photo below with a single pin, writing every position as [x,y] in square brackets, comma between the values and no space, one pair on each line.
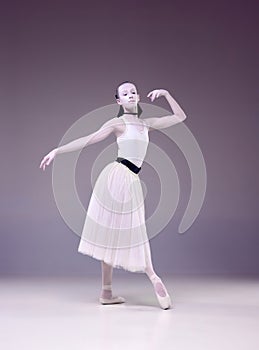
[129,164]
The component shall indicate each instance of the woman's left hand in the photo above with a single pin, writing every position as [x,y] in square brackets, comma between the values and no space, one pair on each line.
[157,93]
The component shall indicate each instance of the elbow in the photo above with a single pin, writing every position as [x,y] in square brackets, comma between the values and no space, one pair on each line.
[182,117]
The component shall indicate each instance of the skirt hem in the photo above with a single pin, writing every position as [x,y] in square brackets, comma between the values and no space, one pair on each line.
[117,266]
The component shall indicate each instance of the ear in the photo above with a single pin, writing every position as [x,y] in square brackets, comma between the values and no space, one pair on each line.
[138,97]
[118,101]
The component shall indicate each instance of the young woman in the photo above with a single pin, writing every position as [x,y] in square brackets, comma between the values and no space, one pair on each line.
[114,231]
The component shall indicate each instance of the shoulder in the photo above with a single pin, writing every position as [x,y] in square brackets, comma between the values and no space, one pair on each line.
[149,122]
[113,123]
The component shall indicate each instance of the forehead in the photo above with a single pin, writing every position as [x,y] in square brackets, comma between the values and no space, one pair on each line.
[126,87]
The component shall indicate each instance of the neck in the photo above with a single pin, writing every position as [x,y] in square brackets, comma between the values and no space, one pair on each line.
[129,113]
[130,110]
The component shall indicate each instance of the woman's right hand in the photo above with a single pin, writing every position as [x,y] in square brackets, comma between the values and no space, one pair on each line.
[48,158]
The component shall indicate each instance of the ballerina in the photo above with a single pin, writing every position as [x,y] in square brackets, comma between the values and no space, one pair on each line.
[116,215]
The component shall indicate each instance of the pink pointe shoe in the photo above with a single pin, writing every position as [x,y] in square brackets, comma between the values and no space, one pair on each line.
[164,299]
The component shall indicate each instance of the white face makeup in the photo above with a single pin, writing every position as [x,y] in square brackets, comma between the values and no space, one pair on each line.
[128,96]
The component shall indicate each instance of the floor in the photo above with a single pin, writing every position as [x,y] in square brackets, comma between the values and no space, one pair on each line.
[209,312]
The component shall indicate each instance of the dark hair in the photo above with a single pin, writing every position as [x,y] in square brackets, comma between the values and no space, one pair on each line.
[121,110]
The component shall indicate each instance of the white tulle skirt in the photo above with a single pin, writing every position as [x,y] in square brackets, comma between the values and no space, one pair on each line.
[114,229]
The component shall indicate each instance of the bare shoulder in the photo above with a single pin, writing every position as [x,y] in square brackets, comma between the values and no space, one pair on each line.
[150,122]
[114,124]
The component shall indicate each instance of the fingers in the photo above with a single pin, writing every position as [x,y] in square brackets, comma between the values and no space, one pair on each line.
[44,162]
[153,94]
[41,164]
[47,159]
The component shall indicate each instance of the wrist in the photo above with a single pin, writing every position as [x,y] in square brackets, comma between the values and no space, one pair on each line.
[166,94]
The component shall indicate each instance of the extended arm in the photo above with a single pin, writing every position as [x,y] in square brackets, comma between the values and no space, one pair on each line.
[106,129]
[164,122]
[95,137]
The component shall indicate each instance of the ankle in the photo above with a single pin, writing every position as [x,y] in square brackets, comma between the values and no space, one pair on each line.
[106,292]
[154,278]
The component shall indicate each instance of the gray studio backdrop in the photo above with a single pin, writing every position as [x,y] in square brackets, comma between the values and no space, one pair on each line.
[59,63]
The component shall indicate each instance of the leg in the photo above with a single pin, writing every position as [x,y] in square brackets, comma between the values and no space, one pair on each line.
[106,280]
[154,278]
[160,289]
[106,294]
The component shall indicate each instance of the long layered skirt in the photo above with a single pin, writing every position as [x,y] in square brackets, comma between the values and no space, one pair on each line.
[114,229]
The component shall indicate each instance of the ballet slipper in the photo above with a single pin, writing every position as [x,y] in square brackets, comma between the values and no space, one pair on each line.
[164,301]
[107,298]
[113,300]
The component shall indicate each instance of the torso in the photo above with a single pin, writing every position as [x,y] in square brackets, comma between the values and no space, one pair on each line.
[121,128]
[132,139]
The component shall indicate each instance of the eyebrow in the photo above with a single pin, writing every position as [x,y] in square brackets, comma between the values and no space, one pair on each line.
[127,90]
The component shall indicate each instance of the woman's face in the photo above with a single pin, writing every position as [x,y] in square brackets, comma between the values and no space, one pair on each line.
[128,96]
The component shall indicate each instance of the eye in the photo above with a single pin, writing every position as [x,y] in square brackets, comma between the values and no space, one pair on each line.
[124,94]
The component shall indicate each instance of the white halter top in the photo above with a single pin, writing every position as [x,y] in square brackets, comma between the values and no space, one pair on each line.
[133,143]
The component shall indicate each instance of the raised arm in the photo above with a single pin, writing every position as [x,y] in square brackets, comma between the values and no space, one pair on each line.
[99,135]
[165,122]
